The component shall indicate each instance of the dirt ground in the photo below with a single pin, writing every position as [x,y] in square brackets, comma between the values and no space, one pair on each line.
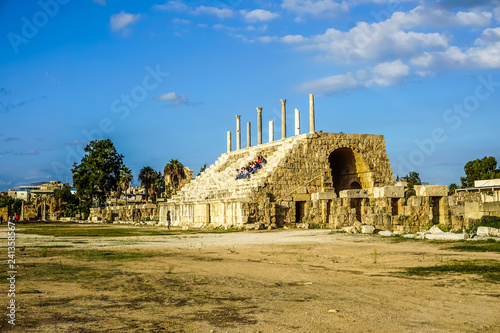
[265,281]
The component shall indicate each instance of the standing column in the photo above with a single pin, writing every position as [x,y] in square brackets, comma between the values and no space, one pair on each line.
[311,114]
[283,118]
[249,136]
[228,141]
[44,213]
[297,122]
[271,131]
[259,126]
[238,133]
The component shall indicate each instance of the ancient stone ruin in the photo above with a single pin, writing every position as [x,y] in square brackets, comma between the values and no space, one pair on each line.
[330,180]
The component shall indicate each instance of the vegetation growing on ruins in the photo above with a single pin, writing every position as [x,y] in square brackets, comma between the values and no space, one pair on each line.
[412,178]
[492,222]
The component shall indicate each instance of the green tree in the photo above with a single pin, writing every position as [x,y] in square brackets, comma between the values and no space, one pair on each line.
[412,178]
[480,169]
[69,201]
[158,185]
[203,168]
[174,172]
[125,180]
[147,175]
[451,188]
[168,191]
[6,201]
[98,172]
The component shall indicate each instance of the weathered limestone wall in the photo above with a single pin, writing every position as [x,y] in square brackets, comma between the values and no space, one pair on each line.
[124,213]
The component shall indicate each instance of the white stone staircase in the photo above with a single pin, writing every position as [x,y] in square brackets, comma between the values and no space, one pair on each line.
[218,181]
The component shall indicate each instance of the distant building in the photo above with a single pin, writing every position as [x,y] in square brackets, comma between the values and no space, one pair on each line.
[489,189]
[26,192]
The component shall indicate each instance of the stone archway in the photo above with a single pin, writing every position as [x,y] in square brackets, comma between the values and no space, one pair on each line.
[344,171]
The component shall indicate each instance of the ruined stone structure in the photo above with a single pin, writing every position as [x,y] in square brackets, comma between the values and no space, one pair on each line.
[330,180]
[300,169]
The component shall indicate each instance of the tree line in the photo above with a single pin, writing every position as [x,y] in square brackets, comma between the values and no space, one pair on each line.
[479,169]
[102,172]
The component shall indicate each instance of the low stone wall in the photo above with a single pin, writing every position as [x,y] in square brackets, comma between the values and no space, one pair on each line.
[124,213]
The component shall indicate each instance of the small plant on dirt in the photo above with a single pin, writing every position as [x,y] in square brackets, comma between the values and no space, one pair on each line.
[44,252]
[335,260]
[170,269]
[193,276]
[300,259]
[428,226]
[22,248]
[444,227]
[374,256]
[60,265]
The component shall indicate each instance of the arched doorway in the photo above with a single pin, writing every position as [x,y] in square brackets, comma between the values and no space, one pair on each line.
[344,173]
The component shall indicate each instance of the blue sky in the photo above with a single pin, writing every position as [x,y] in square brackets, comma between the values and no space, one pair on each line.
[165,80]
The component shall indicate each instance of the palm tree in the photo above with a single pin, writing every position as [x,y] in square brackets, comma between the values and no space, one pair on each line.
[158,185]
[146,177]
[174,172]
[125,180]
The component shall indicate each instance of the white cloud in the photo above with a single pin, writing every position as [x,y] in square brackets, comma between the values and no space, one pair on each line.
[101,2]
[376,41]
[180,21]
[268,39]
[258,15]
[180,6]
[331,84]
[174,99]
[424,16]
[489,35]
[290,39]
[219,12]
[388,73]
[315,7]
[384,74]
[177,6]
[496,13]
[122,19]
[393,38]
[484,54]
